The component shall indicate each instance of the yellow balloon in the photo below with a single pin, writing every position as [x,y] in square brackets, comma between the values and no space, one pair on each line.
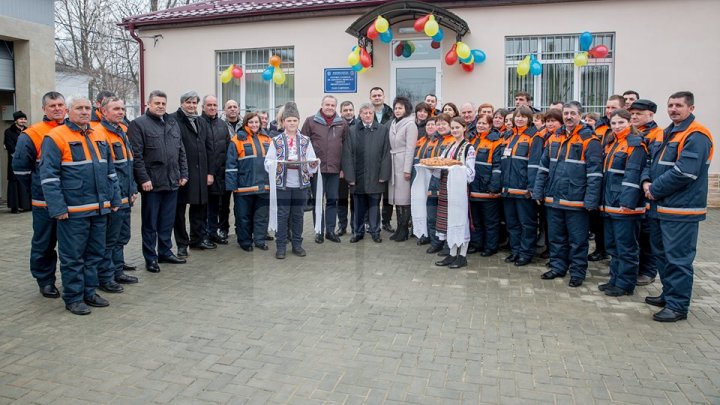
[279,76]
[363,70]
[524,67]
[353,59]
[226,76]
[431,27]
[381,24]
[581,59]
[462,50]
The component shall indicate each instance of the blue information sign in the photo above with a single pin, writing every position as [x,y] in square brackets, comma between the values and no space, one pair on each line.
[340,80]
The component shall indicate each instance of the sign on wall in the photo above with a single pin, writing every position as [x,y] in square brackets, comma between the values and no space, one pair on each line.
[340,80]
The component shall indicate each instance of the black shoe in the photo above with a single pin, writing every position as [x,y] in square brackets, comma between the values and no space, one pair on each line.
[448,260]
[78,308]
[299,252]
[222,234]
[433,249]
[152,267]
[575,282]
[552,274]
[280,254]
[523,261]
[355,238]
[545,254]
[603,287]
[268,237]
[218,239]
[445,251]
[125,279]
[644,280]
[377,239]
[50,291]
[487,253]
[332,237]
[171,259]
[97,301]
[596,256]
[511,258]
[262,246]
[472,250]
[393,236]
[247,248]
[204,245]
[613,291]
[423,241]
[319,238]
[658,301]
[461,261]
[388,228]
[129,268]
[182,252]
[341,231]
[668,315]
[111,287]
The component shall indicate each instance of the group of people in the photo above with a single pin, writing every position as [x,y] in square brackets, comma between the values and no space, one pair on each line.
[556,179]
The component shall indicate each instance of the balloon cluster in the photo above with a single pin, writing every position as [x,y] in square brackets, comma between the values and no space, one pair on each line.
[430,26]
[467,57]
[273,71]
[381,29]
[405,49]
[233,71]
[531,65]
[598,51]
[359,59]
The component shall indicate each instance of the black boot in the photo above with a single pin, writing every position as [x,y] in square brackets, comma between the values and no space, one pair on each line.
[403,228]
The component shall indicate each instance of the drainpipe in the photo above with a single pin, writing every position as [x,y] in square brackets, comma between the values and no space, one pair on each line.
[131,28]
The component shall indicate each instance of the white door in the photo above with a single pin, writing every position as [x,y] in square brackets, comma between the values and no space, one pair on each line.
[417,75]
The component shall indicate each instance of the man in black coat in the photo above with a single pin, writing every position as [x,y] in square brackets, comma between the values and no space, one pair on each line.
[199,152]
[219,136]
[382,114]
[160,168]
[366,164]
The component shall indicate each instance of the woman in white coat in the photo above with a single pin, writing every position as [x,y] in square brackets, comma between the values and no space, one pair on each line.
[403,137]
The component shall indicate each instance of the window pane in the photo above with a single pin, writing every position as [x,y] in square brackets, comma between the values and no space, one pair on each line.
[423,50]
[284,93]
[594,87]
[415,83]
[257,92]
[516,84]
[557,83]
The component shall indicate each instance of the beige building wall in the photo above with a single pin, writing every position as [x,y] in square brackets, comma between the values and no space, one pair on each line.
[661,46]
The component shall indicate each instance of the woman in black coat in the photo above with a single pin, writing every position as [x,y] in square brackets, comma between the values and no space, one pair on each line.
[18,197]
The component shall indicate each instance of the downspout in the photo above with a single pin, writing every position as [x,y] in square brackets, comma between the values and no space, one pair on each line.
[131,28]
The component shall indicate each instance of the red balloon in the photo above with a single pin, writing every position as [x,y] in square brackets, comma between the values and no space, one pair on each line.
[365,59]
[399,49]
[451,57]
[419,25]
[468,68]
[237,72]
[372,32]
[435,45]
[599,51]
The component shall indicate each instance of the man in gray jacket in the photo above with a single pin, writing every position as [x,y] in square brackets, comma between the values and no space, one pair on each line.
[366,165]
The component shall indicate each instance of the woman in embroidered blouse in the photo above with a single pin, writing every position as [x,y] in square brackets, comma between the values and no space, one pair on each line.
[460,150]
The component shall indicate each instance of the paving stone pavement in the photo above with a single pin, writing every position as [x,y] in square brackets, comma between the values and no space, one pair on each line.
[353,323]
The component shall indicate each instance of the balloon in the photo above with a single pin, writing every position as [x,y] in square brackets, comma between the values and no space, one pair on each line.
[275,61]
[439,36]
[268,73]
[463,51]
[381,24]
[536,68]
[451,56]
[357,67]
[363,70]
[599,51]
[372,32]
[237,72]
[581,59]
[435,44]
[431,27]
[468,67]
[478,55]
[399,49]
[586,40]
[353,58]
[412,46]
[407,51]
[225,76]
[523,67]
[468,61]
[279,76]
[386,36]
[420,23]
[365,59]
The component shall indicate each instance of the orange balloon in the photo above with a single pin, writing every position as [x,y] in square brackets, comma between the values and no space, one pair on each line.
[275,60]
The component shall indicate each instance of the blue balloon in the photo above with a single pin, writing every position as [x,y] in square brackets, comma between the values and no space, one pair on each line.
[407,51]
[586,40]
[478,55]
[468,59]
[357,67]
[536,68]
[439,36]
[268,73]
[387,36]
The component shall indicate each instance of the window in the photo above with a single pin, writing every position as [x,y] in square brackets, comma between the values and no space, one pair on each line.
[250,91]
[560,80]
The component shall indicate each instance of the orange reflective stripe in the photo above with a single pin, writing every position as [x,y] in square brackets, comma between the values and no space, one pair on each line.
[568,203]
[549,200]
[483,195]
[39,203]
[516,191]
[617,210]
[681,211]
